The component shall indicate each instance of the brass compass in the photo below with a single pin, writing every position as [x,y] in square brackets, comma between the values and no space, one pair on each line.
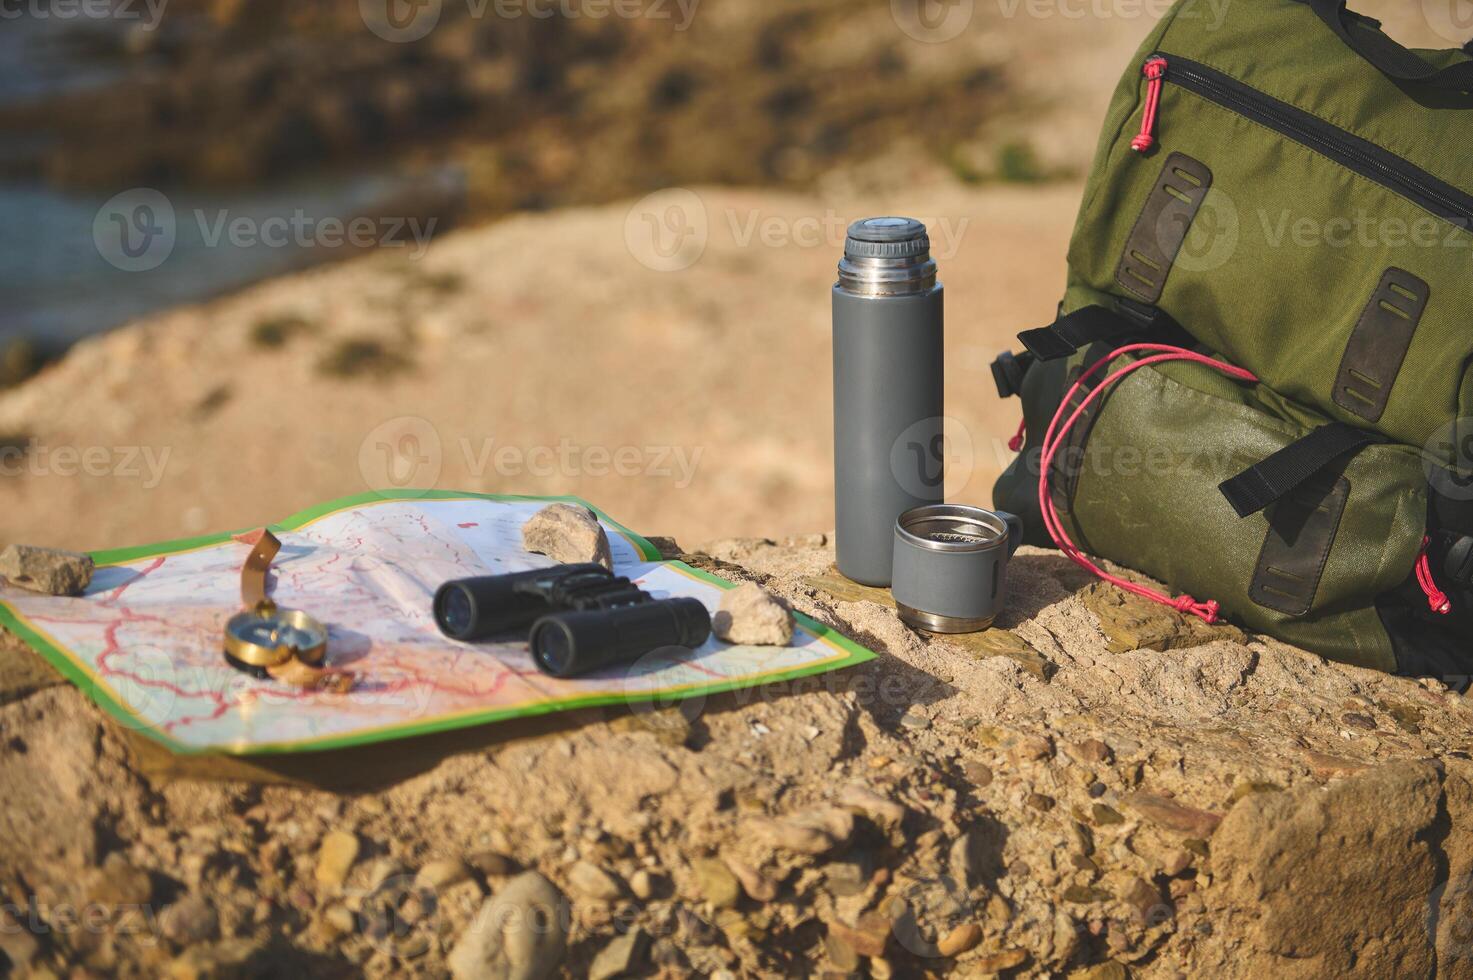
[270,641]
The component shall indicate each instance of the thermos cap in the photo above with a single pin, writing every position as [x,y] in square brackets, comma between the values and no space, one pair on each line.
[887,238]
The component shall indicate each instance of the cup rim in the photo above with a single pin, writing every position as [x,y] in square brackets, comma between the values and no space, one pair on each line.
[997,527]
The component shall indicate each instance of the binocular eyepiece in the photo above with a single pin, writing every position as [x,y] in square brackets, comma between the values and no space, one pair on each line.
[578,618]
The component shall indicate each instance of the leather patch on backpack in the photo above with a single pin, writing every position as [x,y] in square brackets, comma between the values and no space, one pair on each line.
[1301,531]
[1378,345]
[1162,226]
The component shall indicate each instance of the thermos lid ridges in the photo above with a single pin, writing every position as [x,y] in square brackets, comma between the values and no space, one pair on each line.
[887,238]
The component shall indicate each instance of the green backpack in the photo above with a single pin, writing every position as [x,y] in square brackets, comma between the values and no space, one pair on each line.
[1258,389]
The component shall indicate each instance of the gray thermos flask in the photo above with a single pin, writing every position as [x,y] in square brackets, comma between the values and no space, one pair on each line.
[888,403]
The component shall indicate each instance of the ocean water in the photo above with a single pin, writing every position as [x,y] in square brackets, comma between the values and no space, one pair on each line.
[66,264]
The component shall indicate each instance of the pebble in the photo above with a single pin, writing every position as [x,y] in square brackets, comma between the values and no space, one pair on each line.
[492,864]
[878,807]
[1008,959]
[867,937]
[979,773]
[339,919]
[642,884]
[47,570]
[223,959]
[414,947]
[1104,815]
[18,946]
[750,615]
[1172,815]
[758,886]
[914,721]
[590,881]
[1029,748]
[190,920]
[1090,752]
[568,534]
[441,874]
[715,882]
[521,932]
[118,883]
[963,938]
[813,833]
[335,857]
[620,957]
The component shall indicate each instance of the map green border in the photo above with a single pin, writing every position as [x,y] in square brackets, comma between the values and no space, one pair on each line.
[81,676]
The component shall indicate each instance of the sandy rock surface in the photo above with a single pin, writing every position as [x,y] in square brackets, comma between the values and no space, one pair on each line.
[1033,806]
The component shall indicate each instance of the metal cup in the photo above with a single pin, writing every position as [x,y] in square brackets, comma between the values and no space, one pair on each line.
[950,566]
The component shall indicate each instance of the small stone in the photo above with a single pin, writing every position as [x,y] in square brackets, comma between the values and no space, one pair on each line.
[227,958]
[878,807]
[117,883]
[715,882]
[750,615]
[568,534]
[413,947]
[1104,816]
[521,932]
[47,570]
[979,773]
[441,874]
[1172,815]
[816,832]
[642,884]
[1030,748]
[620,957]
[867,937]
[1085,894]
[915,721]
[1145,898]
[880,969]
[491,864]
[339,920]
[1090,752]
[1041,803]
[1357,720]
[1324,765]
[1008,959]
[758,886]
[999,912]
[188,921]
[840,953]
[963,938]
[1108,970]
[335,857]
[19,946]
[588,880]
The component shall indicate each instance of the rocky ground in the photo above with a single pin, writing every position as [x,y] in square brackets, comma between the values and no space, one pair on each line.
[1094,789]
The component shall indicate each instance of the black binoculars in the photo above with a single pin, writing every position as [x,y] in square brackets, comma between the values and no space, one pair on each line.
[578,618]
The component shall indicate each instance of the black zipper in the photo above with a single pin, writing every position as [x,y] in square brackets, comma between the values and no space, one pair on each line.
[1350,151]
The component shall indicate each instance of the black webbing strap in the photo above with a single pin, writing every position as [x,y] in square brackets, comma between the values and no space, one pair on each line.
[1085,326]
[1280,473]
[1363,35]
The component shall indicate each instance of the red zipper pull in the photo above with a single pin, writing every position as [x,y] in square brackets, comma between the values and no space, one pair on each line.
[1154,70]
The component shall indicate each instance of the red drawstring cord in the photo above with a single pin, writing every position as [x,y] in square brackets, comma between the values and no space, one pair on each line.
[1437,600]
[1016,442]
[1052,440]
[1155,70]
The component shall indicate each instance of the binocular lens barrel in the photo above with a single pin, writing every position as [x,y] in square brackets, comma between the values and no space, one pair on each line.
[569,644]
[471,609]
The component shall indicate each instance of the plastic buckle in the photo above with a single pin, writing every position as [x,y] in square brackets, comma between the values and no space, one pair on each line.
[1008,371]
